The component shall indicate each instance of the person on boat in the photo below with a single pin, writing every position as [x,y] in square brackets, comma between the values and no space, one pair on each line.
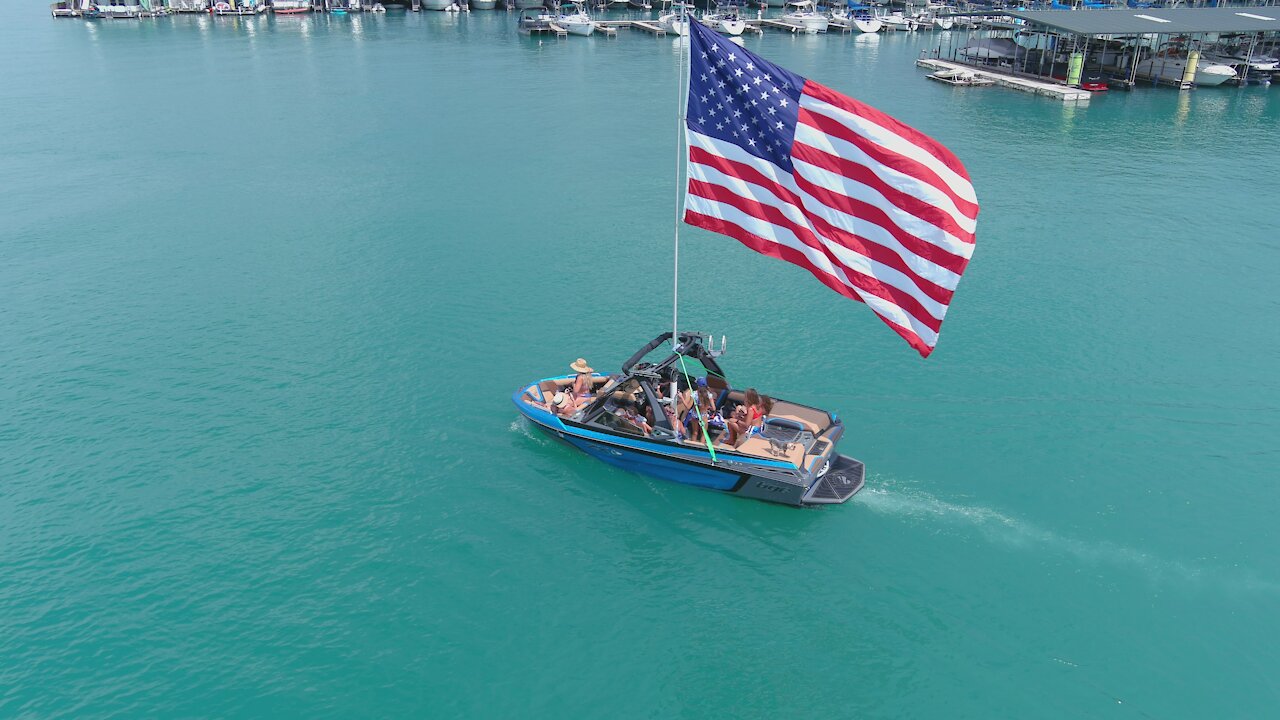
[746,417]
[628,412]
[669,408]
[583,383]
[562,404]
[702,407]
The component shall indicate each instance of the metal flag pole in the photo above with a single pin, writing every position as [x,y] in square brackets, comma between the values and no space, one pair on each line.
[681,79]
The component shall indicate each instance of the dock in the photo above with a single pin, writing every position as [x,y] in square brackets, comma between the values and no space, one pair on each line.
[759,24]
[1039,87]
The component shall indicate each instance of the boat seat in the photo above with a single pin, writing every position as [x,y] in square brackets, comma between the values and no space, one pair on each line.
[799,421]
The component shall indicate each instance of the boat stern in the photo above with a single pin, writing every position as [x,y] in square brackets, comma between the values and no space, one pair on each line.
[843,478]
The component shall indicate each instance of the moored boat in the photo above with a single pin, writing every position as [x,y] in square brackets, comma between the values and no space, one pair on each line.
[290,7]
[1170,63]
[804,15]
[676,21]
[792,459]
[725,19]
[856,16]
[483,4]
[576,21]
[534,19]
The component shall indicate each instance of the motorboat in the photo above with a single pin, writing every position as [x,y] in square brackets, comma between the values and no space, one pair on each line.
[897,21]
[119,11]
[290,7]
[439,5]
[993,51]
[676,21]
[627,421]
[576,21]
[856,16]
[231,7]
[66,8]
[961,78]
[534,19]
[1240,58]
[1169,64]
[725,20]
[484,4]
[805,15]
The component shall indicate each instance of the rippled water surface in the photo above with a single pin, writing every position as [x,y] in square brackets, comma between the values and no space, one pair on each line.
[266,287]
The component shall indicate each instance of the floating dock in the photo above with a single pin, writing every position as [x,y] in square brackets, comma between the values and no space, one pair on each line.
[1038,87]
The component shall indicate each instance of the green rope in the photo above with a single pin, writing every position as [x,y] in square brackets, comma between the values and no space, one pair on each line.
[706,436]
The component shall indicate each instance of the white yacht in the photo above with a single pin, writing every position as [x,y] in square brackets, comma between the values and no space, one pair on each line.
[805,15]
[576,21]
[856,16]
[1240,57]
[675,21]
[897,21]
[725,20]
[1169,64]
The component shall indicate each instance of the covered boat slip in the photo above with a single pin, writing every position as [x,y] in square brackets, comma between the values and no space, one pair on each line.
[1090,49]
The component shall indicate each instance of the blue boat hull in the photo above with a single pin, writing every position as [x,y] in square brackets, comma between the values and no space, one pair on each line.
[757,478]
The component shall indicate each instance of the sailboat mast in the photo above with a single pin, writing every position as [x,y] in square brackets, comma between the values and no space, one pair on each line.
[682,74]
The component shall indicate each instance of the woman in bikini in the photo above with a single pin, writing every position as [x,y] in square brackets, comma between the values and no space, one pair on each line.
[583,384]
[745,417]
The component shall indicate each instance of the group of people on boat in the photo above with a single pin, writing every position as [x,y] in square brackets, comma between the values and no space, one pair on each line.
[694,414]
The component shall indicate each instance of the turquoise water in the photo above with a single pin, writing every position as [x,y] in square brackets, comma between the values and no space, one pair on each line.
[266,287]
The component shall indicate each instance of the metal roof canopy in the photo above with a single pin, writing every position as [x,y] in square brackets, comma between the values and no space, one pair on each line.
[1133,21]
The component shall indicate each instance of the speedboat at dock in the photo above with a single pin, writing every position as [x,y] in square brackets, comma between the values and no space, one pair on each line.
[791,459]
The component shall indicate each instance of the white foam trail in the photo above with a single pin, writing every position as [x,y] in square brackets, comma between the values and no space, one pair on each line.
[1007,530]
[520,425]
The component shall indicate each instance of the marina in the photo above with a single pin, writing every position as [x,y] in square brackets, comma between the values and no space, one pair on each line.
[1051,50]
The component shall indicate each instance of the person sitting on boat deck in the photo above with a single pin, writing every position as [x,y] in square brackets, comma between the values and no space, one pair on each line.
[628,412]
[745,417]
[583,383]
[669,407]
[562,404]
[704,412]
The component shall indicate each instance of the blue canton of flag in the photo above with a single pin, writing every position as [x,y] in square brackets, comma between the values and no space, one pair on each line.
[741,98]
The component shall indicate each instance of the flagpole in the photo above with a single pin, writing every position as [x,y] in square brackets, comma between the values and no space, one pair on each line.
[681,76]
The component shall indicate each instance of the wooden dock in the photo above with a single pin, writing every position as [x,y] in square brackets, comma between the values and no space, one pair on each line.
[1054,90]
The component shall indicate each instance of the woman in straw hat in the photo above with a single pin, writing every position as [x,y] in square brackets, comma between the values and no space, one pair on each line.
[562,404]
[582,384]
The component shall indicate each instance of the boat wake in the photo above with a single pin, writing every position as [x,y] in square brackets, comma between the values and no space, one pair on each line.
[1004,529]
[521,426]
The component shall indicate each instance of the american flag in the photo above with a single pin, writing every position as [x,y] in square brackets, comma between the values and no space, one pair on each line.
[876,210]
